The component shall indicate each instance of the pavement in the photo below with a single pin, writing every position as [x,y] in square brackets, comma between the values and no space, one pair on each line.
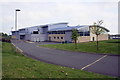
[98,63]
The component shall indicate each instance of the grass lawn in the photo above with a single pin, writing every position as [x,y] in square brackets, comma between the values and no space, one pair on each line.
[16,65]
[108,47]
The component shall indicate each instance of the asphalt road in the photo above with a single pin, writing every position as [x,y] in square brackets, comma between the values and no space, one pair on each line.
[103,64]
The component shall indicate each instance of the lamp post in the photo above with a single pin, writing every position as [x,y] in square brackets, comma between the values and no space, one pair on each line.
[16,18]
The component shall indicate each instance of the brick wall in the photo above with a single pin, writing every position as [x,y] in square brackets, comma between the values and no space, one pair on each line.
[83,39]
[103,37]
[56,39]
[80,38]
[88,38]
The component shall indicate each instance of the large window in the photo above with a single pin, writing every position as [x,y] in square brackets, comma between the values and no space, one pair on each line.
[35,32]
[57,32]
[84,33]
[49,32]
[43,30]
[62,32]
[87,33]
[81,33]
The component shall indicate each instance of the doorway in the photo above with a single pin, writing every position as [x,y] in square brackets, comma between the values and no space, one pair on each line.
[49,38]
[93,39]
[22,37]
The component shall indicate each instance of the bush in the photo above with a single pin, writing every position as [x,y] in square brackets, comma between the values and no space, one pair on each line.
[6,40]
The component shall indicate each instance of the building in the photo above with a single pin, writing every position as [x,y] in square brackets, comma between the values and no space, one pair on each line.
[59,32]
[35,33]
[115,36]
[64,34]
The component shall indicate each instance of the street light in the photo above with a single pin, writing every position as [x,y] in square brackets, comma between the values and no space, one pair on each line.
[16,18]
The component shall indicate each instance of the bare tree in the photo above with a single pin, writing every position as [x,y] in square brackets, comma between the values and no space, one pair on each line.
[97,30]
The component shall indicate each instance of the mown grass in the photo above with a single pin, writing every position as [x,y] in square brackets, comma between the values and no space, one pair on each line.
[105,47]
[15,65]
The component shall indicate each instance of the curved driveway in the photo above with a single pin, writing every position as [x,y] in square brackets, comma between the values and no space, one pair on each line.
[103,64]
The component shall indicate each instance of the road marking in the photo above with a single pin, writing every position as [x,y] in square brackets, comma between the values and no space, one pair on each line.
[94,62]
[18,48]
[13,44]
[29,42]
[37,46]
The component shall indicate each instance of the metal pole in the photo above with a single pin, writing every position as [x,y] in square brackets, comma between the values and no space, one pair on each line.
[15,20]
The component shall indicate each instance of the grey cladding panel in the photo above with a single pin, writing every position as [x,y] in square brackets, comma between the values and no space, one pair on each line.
[68,36]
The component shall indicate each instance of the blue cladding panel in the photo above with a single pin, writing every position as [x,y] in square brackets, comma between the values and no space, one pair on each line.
[66,28]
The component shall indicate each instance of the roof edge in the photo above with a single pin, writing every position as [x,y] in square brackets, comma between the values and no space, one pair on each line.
[102,27]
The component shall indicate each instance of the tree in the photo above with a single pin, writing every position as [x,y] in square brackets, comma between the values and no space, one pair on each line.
[74,36]
[4,37]
[97,30]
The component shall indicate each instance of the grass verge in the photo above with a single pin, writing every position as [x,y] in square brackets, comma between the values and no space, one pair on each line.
[105,47]
[16,65]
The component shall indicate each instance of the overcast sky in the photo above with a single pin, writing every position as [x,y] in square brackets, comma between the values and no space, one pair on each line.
[75,12]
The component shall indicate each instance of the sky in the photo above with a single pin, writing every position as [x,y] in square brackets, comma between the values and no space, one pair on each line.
[75,12]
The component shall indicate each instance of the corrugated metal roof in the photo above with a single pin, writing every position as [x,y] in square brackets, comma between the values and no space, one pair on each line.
[46,25]
[68,28]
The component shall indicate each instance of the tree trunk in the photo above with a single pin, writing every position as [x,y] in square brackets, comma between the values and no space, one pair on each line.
[75,44]
[97,43]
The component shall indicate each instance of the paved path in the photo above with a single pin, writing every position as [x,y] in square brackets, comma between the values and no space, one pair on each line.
[103,64]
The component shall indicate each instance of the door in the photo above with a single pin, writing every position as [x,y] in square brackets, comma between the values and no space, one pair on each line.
[93,39]
[49,38]
[22,37]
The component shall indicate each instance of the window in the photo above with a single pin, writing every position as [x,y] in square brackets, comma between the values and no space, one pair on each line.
[43,30]
[63,32]
[35,32]
[87,33]
[81,33]
[84,33]
[57,37]
[55,32]
[54,37]
[58,32]
[61,37]
[50,32]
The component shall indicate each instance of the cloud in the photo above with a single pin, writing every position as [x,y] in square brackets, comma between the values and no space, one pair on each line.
[59,0]
[44,12]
